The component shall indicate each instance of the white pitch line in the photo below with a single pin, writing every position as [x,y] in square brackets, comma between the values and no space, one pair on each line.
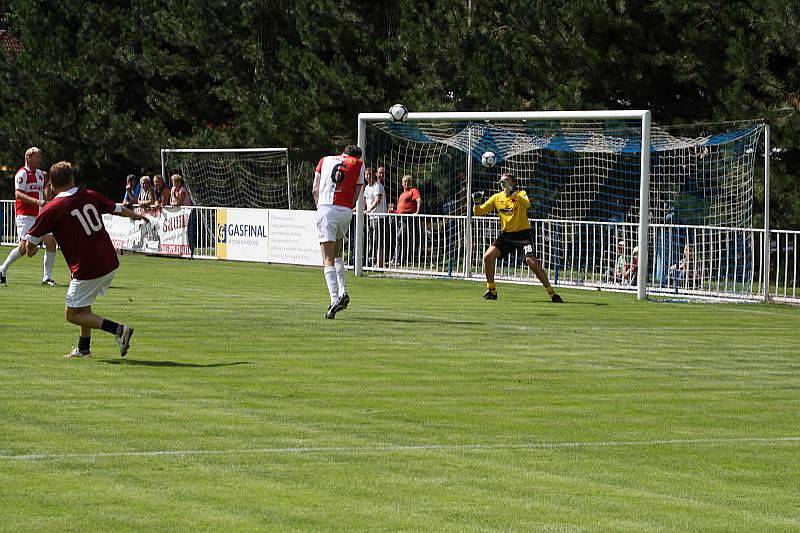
[405,448]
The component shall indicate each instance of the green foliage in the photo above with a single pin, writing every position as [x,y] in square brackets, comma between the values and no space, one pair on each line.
[107,84]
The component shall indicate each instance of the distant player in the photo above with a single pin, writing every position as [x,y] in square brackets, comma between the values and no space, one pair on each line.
[337,184]
[75,218]
[515,233]
[29,192]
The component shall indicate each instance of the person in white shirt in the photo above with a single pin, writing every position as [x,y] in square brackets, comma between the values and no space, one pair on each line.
[375,201]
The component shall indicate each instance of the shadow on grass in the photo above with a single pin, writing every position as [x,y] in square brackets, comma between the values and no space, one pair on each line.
[140,362]
[567,302]
[420,320]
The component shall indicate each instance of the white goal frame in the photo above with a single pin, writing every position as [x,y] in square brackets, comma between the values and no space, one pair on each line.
[644,184]
[231,150]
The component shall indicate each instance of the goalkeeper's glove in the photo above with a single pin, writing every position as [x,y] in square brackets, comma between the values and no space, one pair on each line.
[477,197]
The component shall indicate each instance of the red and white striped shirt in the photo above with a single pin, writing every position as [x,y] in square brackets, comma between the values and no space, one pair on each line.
[32,184]
[339,178]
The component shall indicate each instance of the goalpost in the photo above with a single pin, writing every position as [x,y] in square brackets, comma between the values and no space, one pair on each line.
[236,177]
[617,203]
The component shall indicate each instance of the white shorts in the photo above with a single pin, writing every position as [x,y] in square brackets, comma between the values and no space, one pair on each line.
[83,292]
[24,225]
[333,222]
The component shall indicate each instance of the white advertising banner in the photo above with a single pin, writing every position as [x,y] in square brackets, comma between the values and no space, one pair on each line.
[293,238]
[242,234]
[268,235]
[167,233]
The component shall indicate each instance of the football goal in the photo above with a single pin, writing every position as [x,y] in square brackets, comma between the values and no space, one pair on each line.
[243,177]
[617,202]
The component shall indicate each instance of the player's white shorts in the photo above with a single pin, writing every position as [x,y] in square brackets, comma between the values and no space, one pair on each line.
[333,221]
[83,292]
[24,225]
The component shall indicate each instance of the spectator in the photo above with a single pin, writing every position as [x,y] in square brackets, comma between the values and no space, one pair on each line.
[147,195]
[408,203]
[621,263]
[632,268]
[684,272]
[410,200]
[375,196]
[380,176]
[179,195]
[161,190]
[131,192]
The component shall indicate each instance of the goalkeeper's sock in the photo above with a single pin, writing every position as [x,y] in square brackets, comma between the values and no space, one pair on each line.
[550,291]
[333,286]
[338,264]
[491,287]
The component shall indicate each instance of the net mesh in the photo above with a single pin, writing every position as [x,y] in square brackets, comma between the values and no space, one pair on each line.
[576,170]
[583,178]
[254,179]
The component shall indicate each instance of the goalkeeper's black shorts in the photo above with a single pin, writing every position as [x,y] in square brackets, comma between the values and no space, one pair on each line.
[509,241]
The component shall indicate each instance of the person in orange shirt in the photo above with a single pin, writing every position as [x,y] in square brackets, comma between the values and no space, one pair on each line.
[408,203]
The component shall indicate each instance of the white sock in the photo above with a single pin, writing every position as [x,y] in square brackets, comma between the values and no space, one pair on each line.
[338,264]
[333,287]
[13,256]
[49,261]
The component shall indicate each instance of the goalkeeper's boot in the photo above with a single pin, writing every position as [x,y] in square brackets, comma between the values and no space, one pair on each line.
[49,282]
[344,299]
[78,354]
[124,339]
[2,279]
[556,299]
[490,295]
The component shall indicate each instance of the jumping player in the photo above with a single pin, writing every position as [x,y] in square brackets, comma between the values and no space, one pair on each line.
[30,195]
[337,184]
[75,218]
[515,233]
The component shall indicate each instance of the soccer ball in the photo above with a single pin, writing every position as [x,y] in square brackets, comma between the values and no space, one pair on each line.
[488,159]
[399,112]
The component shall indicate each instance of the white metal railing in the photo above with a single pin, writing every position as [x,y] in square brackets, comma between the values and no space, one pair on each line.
[699,261]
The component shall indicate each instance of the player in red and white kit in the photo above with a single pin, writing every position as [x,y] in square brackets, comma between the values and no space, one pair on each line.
[337,184]
[75,218]
[29,191]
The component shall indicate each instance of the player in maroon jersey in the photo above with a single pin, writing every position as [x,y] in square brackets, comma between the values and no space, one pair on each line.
[338,181]
[75,219]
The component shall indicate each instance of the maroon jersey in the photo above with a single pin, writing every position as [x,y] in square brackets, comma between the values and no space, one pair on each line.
[76,221]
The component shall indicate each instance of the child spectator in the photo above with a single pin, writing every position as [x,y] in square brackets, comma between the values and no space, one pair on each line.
[179,195]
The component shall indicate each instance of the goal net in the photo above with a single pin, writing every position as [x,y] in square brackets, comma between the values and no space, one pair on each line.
[583,176]
[253,177]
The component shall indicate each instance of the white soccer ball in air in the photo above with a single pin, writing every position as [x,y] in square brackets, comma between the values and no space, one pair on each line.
[399,112]
[488,159]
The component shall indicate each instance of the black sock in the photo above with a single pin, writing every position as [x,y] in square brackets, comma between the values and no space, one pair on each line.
[83,343]
[109,326]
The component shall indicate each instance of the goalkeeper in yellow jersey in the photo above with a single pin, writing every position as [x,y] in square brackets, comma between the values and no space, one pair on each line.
[515,233]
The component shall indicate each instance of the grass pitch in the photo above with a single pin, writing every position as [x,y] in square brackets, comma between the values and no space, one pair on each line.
[421,407]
